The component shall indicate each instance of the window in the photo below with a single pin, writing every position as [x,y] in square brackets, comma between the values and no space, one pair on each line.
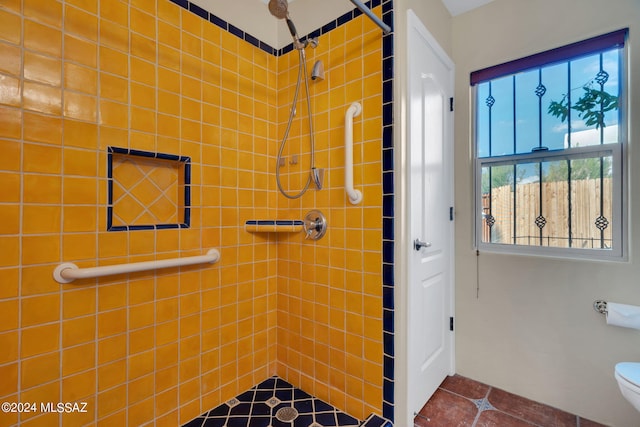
[549,144]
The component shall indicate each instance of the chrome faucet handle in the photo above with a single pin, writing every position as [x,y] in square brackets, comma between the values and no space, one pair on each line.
[315,225]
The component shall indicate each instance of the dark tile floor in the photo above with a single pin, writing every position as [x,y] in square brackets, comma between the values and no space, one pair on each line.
[276,403]
[460,401]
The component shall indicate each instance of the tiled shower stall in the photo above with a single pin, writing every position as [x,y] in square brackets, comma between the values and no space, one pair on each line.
[160,76]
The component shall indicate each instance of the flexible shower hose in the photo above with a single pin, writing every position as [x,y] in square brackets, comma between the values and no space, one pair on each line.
[302,70]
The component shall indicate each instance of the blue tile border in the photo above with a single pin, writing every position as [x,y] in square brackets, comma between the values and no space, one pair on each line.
[192,7]
[274,222]
[111,151]
[341,20]
[388,217]
[388,197]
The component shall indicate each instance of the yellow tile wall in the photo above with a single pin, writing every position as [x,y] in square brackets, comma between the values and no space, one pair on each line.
[77,76]
[330,291]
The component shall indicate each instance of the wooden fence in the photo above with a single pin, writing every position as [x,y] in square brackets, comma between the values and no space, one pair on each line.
[569,214]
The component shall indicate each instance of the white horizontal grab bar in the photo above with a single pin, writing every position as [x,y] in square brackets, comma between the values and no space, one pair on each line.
[68,272]
[354,110]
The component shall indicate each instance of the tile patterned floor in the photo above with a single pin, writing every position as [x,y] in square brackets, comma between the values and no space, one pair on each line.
[274,403]
[460,401]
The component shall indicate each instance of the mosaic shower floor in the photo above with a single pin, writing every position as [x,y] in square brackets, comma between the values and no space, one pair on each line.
[275,403]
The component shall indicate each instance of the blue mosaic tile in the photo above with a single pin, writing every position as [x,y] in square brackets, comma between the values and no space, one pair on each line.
[387,69]
[388,370]
[387,136]
[264,46]
[387,18]
[187,218]
[388,348]
[388,232]
[187,195]
[236,31]
[387,46]
[388,409]
[182,3]
[344,19]
[254,41]
[387,113]
[288,48]
[388,205]
[387,182]
[387,252]
[328,27]
[387,91]
[258,407]
[140,227]
[198,11]
[387,297]
[187,172]
[387,320]
[376,421]
[388,279]
[166,226]
[218,22]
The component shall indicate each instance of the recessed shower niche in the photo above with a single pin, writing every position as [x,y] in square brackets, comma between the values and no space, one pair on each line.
[147,190]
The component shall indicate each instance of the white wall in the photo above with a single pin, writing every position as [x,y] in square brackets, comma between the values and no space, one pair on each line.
[532,330]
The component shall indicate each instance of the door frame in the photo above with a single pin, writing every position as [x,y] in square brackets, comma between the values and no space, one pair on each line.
[403,415]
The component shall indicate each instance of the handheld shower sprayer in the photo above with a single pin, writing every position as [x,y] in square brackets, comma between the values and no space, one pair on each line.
[280,9]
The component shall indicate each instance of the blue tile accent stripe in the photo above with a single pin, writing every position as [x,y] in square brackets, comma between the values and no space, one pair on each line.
[151,155]
[274,222]
[341,20]
[388,214]
[194,8]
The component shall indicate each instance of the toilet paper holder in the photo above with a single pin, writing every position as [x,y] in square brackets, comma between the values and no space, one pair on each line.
[600,306]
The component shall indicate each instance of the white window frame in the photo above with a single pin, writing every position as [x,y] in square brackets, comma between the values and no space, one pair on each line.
[617,251]
[618,151]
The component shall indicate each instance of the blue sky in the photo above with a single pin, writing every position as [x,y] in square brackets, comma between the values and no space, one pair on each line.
[556,80]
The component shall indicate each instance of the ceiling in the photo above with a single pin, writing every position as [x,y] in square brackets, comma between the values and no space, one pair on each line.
[253,16]
[457,7]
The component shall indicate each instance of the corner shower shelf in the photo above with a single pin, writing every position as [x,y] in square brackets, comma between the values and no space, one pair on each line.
[273,226]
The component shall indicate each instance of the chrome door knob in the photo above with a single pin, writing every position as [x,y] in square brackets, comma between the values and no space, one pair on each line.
[419,244]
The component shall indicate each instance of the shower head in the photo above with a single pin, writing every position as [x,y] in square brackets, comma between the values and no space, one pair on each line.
[279,8]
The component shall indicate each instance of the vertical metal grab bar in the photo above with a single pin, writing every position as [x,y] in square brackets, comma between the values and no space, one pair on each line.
[354,110]
[364,9]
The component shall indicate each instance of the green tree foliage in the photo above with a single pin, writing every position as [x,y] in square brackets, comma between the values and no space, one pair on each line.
[501,176]
[591,106]
[588,168]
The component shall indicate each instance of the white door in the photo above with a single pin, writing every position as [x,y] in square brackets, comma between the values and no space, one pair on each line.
[430,273]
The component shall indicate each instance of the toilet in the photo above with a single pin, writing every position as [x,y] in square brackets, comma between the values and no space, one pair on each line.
[628,376]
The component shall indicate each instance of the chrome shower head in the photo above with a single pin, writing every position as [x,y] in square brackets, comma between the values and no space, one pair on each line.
[279,8]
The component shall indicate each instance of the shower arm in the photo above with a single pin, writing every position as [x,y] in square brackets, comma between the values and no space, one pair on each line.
[364,9]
